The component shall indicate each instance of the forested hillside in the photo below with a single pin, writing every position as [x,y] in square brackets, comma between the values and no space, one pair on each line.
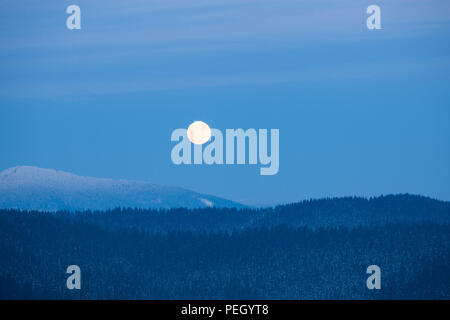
[310,250]
[350,212]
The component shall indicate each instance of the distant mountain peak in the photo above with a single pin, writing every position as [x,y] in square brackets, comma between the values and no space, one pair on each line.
[33,188]
[22,170]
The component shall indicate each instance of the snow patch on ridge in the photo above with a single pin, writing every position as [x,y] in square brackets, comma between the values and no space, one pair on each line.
[207,202]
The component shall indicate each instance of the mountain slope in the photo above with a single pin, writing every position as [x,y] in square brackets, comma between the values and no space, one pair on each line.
[32,188]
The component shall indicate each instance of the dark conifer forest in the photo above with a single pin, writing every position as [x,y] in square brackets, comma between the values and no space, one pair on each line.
[317,249]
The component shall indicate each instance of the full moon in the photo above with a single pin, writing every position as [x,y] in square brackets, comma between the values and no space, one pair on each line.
[199,132]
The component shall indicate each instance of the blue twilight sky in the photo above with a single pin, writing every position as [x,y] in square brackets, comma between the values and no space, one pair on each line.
[360,112]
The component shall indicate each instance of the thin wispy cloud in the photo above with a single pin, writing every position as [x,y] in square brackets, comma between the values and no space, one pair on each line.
[139,46]
[343,72]
[171,22]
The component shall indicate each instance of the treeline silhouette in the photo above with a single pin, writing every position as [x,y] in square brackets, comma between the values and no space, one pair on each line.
[350,212]
[316,249]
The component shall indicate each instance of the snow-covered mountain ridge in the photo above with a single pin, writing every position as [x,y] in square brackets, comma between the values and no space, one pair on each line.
[32,188]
